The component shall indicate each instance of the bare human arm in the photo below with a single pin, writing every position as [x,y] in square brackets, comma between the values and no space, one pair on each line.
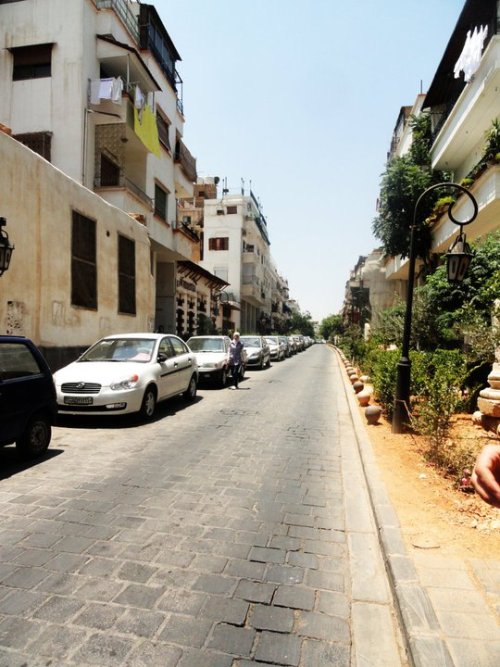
[486,475]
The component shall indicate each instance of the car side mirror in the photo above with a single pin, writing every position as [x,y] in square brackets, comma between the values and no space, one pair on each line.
[162,357]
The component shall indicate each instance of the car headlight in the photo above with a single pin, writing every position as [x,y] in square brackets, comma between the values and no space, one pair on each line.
[128,383]
[210,364]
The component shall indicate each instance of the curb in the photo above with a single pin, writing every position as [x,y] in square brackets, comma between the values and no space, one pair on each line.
[420,627]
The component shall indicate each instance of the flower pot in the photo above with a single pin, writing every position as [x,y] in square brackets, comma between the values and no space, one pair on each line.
[363,397]
[372,414]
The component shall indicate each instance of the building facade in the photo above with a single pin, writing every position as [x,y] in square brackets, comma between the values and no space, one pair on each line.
[463,103]
[236,248]
[92,86]
[80,267]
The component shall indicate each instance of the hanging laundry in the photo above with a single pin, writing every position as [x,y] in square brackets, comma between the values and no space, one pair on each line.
[106,89]
[139,100]
[469,60]
[147,130]
[116,90]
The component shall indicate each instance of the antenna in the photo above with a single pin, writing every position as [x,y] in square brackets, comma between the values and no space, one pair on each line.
[242,187]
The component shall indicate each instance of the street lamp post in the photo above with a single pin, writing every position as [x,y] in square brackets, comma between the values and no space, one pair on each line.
[6,248]
[458,260]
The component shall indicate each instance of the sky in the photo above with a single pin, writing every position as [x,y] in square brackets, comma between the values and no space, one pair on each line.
[298,99]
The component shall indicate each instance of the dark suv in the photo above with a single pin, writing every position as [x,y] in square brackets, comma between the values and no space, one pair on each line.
[27,396]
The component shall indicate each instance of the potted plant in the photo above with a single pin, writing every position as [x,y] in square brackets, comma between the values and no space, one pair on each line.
[492,146]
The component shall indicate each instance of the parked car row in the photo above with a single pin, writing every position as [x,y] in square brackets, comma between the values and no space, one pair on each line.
[119,374]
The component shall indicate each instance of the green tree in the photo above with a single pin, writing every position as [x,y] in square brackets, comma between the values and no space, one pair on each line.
[457,311]
[403,181]
[331,326]
[302,324]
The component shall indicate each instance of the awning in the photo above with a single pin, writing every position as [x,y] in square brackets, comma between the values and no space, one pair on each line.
[194,272]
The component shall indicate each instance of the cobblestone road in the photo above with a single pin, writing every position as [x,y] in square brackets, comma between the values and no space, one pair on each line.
[219,535]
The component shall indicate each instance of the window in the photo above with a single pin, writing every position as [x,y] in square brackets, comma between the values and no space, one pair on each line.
[161,202]
[232,209]
[83,262]
[247,274]
[163,131]
[39,142]
[221,272]
[179,347]
[32,62]
[110,172]
[17,362]
[165,348]
[126,275]
[218,243]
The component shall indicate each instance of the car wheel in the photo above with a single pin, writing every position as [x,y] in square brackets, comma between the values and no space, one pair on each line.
[36,437]
[190,393]
[148,406]
[223,377]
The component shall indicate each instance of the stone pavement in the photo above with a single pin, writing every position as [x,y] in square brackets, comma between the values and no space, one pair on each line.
[233,532]
[449,607]
[247,529]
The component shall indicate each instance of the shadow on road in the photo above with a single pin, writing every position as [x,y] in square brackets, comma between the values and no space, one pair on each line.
[11,461]
[165,409]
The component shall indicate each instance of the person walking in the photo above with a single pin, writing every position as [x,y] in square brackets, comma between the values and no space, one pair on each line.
[235,359]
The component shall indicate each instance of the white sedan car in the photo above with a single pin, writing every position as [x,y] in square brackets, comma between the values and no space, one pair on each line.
[127,373]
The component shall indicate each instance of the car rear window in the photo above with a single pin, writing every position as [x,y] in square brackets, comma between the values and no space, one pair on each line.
[206,344]
[17,361]
[250,341]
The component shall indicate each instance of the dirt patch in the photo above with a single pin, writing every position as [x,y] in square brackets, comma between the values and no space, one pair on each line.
[433,512]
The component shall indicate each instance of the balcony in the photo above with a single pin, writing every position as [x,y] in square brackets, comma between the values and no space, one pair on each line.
[463,129]
[252,293]
[121,9]
[124,194]
[186,161]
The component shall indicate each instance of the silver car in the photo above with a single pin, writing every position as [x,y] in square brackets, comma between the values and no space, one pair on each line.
[276,348]
[258,352]
[212,355]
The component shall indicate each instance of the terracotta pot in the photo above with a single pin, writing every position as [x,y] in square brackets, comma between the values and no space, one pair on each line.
[363,397]
[358,386]
[372,414]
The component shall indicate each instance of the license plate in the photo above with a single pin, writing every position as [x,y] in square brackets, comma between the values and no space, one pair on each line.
[78,400]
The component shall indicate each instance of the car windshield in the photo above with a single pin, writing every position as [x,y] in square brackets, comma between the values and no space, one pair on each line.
[272,340]
[120,349]
[206,344]
[250,341]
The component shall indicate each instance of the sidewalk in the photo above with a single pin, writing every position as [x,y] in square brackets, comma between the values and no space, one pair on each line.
[449,607]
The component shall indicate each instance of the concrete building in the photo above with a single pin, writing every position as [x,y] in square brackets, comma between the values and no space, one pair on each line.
[462,101]
[236,249]
[92,86]
[80,267]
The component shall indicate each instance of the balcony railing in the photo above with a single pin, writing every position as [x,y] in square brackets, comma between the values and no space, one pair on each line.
[188,230]
[124,182]
[186,160]
[122,10]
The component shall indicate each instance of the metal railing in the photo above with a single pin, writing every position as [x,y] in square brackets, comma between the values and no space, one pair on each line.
[122,10]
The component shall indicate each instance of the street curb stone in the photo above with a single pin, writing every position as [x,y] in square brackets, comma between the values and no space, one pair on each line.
[418,621]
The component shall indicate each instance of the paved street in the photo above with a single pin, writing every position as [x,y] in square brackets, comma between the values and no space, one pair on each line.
[231,532]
